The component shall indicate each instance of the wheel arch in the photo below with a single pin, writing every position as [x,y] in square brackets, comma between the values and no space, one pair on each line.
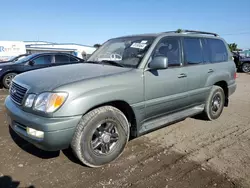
[223,84]
[126,109]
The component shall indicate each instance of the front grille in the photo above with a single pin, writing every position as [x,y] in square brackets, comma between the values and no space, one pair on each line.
[17,92]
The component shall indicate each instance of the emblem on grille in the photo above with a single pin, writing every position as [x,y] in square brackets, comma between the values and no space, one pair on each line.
[13,90]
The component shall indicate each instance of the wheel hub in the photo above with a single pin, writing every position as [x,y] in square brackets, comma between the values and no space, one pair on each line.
[106,138]
[216,103]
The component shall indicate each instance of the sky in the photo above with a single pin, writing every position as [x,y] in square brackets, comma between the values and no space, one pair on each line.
[95,21]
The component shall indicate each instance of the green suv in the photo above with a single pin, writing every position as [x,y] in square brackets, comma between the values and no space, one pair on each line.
[130,86]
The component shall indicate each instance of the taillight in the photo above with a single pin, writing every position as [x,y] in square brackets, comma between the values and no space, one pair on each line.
[235,75]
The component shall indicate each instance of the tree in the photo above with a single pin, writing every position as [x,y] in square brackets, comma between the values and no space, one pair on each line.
[97,45]
[178,30]
[233,47]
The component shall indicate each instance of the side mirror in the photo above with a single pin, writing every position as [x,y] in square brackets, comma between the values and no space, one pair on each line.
[160,62]
[31,63]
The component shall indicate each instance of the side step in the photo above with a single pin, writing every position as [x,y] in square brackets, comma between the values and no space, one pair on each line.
[165,120]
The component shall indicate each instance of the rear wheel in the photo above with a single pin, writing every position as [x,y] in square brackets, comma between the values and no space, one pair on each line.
[246,67]
[7,79]
[101,136]
[215,103]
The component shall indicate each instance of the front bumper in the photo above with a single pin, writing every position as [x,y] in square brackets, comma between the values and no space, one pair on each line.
[58,132]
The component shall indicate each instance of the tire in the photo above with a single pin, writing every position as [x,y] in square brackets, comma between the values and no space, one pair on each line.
[7,79]
[214,109]
[245,67]
[87,132]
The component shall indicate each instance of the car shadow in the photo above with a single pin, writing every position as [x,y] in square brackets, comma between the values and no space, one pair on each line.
[28,147]
[7,182]
[70,155]
[199,117]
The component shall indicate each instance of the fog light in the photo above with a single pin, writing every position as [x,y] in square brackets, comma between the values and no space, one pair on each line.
[35,133]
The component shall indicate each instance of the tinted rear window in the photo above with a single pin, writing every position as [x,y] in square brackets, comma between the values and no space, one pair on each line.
[218,50]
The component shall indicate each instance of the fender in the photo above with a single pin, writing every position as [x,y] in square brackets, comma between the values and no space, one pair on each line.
[80,104]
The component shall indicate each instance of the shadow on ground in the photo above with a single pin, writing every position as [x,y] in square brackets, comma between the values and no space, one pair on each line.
[7,182]
[143,164]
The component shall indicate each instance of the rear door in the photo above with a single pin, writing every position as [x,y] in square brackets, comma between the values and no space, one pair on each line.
[197,64]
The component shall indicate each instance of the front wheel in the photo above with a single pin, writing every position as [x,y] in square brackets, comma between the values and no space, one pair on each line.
[246,67]
[100,136]
[7,79]
[215,103]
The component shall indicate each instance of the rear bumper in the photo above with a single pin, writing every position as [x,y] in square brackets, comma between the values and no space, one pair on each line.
[58,132]
[231,89]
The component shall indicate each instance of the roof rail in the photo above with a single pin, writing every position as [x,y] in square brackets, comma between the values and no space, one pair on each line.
[199,32]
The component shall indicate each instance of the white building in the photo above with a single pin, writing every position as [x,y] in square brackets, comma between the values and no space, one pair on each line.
[43,46]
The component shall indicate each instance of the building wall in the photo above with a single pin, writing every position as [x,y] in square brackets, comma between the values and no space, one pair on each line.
[79,49]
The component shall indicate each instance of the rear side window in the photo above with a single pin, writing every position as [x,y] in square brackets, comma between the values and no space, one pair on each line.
[218,50]
[192,51]
[61,59]
[46,59]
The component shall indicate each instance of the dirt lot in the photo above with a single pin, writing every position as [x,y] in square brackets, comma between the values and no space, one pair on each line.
[191,153]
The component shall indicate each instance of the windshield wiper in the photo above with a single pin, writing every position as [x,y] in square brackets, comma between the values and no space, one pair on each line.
[105,61]
[112,63]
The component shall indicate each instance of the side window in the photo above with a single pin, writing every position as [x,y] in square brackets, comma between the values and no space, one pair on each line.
[72,59]
[218,50]
[46,59]
[206,51]
[192,51]
[61,59]
[170,48]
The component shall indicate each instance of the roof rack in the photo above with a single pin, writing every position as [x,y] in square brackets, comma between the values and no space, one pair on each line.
[199,32]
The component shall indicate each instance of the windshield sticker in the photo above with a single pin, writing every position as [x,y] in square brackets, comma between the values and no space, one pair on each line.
[138,45]
[144,41]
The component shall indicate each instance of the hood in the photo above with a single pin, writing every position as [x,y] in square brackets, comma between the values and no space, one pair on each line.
[6,63]
[47,79]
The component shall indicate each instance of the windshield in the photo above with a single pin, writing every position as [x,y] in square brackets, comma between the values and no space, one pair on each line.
[127,51]
[23,59]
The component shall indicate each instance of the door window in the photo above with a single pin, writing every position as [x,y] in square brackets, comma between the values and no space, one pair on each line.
[192,51]
[42,60]
[170,48]
[61,59]
[206,51]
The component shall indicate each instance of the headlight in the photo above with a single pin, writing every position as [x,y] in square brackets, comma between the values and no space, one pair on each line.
[30,100]
[49,102]
[1,69]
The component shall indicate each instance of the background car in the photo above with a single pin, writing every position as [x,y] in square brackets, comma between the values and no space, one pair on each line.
[242,63]
[34,61]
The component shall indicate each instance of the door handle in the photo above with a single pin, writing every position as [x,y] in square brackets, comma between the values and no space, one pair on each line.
[182,75]
[210,71]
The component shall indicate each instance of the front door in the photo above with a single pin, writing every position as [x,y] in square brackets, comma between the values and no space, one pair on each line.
[166,90]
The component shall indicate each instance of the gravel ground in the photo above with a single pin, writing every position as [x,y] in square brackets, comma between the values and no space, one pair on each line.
[191,153]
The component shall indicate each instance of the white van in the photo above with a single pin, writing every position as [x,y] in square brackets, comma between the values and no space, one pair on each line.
[10,49]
